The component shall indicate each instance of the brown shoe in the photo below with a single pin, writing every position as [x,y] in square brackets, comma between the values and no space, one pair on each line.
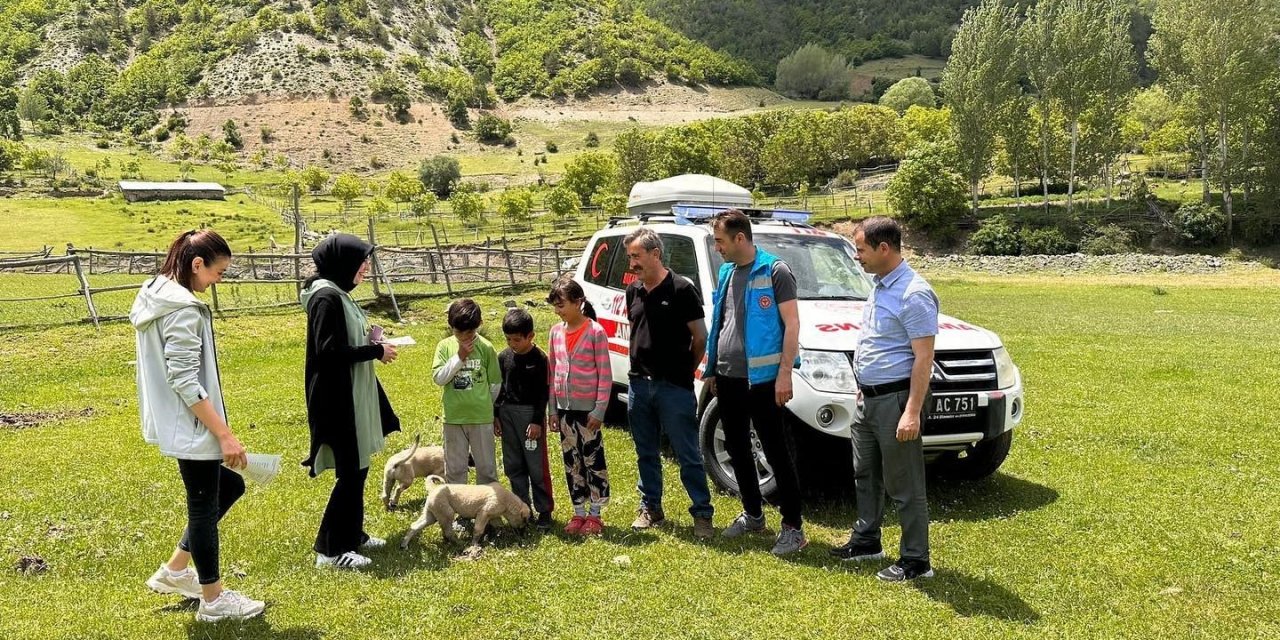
[647,518]
[702,528]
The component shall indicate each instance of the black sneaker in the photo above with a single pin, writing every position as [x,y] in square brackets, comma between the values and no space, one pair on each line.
[858,552]
[544,521]
[904,570]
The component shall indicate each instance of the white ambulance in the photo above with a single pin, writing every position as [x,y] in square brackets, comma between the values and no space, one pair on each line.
[977,390]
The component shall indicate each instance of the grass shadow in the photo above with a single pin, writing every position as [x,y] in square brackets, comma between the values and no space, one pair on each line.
[259,627]
[999,496]
[968,596]
[971,596]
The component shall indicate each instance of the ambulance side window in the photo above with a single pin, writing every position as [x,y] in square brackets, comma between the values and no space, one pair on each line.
[619,269]
[600,259]
[682,258]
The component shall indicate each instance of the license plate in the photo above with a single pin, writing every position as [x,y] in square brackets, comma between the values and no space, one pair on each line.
[951,407]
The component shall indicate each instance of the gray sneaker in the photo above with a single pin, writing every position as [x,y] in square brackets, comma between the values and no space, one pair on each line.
[790,540]
[743,524]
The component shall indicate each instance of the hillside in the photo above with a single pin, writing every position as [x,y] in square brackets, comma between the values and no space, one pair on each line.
[764,31]
[168,52]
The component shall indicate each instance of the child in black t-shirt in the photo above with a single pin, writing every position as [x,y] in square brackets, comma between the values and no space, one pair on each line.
[521,416]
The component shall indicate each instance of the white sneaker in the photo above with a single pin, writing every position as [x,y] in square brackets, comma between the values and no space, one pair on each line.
[373,543]
[186,583]
[348,560]
[230,605]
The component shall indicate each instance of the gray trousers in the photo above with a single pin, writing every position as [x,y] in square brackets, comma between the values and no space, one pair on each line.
[882,464]
[469,440]
[527,471]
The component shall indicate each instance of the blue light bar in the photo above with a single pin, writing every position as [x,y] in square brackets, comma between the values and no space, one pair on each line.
[687,213]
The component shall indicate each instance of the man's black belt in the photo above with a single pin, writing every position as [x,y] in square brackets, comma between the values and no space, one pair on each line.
[873,390]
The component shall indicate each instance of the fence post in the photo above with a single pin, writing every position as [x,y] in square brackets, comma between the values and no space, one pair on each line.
[539,258]
[374,242]
[214,289]
[511,271]
[253,265]
[487,255]
[444,268]
[297,244]
[556,267]
[84,287]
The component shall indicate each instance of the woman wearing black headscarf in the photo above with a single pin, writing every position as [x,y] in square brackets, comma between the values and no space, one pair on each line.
[347,410]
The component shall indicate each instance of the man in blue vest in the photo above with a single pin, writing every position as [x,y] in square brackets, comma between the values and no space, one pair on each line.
[755,327]
[893,363]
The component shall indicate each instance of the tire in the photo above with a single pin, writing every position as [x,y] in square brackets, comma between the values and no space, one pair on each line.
[716,460]
[980,461]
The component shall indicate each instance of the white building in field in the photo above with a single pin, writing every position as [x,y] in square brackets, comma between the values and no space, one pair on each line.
[135,191]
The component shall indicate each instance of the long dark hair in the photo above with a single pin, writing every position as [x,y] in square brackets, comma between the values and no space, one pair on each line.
[566,289]
[205,243]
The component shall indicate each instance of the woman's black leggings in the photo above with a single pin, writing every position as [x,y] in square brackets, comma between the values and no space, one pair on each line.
[211,490]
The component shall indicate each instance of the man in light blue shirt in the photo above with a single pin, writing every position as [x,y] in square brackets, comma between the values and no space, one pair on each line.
[893,364]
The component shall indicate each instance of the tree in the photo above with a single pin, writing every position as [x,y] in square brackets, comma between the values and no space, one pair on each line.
[977,82]
[347,188]
[439,174]
[563,202]
[815,73]
[401,187]
[379,207]
[909,91]
[423,205]
[32,106]
[926,192]
[184,170]
[1017,142]
[1216,57]
[922,125]
[1094,61]
[613,205]
[468,206]
[515,206]
[590,172]
[635,152]
[11,154]
[314,178]
[231,134]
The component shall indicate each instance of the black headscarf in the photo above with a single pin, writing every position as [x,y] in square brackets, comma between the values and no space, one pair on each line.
[337,259]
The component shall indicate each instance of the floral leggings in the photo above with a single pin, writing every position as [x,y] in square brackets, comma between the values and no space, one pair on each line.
[584,465]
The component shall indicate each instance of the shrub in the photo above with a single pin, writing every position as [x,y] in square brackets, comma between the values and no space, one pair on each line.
[926,192]
[440,174]
[552,148]
[996,237]
[1107,240]
[907,92]
[231,134]
[592,141]
[491,128]
[1045,242]
[1198,224]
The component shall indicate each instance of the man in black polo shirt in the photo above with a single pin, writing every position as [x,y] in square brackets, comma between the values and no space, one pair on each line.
[668,339]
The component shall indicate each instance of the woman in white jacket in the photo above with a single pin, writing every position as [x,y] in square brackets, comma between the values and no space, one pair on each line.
[180,402]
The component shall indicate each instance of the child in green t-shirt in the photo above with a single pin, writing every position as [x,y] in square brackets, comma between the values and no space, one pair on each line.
[466,365]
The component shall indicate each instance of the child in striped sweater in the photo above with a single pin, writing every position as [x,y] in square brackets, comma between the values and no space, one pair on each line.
[581,380]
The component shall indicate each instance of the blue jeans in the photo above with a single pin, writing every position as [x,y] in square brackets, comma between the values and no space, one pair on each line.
[655,407]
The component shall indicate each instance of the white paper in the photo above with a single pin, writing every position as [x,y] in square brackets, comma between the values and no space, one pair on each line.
[262,467]
[401,341]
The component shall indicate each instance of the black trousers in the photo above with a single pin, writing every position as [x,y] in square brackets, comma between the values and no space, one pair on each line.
[342,527]
[743,406]
[211,490]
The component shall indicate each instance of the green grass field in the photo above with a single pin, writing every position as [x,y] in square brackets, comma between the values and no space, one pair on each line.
[1138,501]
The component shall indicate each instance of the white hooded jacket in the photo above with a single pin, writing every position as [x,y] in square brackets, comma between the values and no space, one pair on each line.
[177,367]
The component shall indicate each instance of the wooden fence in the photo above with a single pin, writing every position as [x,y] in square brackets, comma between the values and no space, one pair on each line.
[398,273]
